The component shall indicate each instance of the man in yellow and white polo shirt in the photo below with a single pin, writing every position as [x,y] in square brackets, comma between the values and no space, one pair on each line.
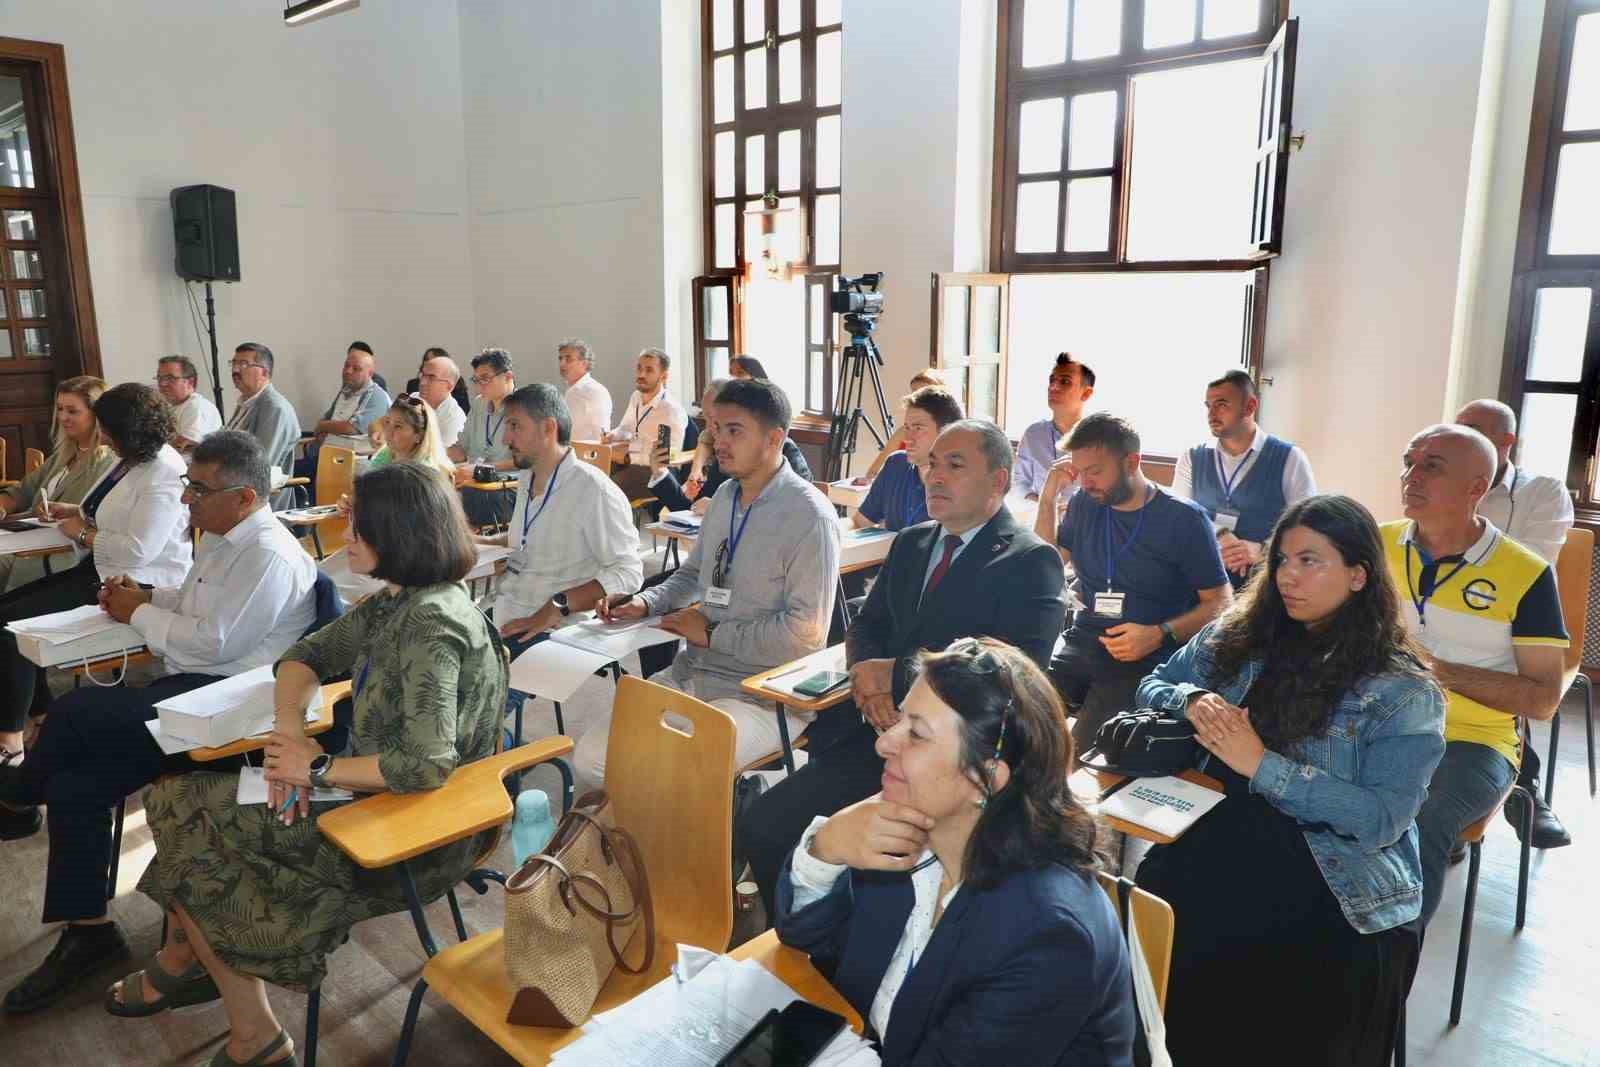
[1486,611]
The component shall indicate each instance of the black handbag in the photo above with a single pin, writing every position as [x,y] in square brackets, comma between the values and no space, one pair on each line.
[1144,743]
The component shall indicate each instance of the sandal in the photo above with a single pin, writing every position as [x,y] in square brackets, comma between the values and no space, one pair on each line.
[190,989]
[221,1058]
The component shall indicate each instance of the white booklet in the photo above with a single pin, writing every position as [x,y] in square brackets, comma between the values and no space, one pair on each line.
[253,789]
[555,668]
[682,520]
[1168,806]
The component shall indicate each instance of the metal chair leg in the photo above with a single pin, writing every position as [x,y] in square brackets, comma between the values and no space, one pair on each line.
[1464,949]
[561,725]
[409,1028]
[116,847]
[1400,1038]
[455,913]
[568,788]
[418,919]
[1588,721]
[1550,757]
[313,1010]
[1527,849]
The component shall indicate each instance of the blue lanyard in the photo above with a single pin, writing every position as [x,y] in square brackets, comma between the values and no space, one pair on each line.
[1419,600]
[1227,483]
[736,528]
[527,522]
[492,430]
[1112,557]
[361,677]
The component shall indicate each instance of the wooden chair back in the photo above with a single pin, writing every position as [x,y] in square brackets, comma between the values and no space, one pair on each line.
[1574,567]
[336,475]
[669,774]
[33,459]
[3,460]
[1159,472]
[1156,924]
[595,453]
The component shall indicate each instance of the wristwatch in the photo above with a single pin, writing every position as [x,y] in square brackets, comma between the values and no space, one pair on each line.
[1169,633]
[560,601]
[320,766]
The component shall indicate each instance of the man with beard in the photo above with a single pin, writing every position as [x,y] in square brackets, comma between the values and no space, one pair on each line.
[1149,575]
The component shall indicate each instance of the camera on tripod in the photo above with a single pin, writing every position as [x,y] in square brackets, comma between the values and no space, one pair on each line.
[859,301]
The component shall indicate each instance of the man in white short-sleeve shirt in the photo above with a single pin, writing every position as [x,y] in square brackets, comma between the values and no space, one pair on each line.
[192,413]
[588,401]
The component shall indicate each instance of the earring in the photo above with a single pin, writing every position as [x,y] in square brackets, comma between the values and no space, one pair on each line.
[981,803]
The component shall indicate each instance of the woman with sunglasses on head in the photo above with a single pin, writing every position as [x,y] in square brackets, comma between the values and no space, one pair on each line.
[411,435]
[1295,896]
[959,905]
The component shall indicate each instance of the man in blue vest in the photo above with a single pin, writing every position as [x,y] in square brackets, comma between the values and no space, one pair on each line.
[1245,480]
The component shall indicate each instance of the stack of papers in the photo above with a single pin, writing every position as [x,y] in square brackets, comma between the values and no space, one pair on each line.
[41,535]
[75,636]
[869,544]
[695,1016]
[554,668]
[306,515]
[226,710]
[1168,805]
[686,521]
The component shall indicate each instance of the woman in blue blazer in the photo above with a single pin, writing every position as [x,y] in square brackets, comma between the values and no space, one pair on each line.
[959,906]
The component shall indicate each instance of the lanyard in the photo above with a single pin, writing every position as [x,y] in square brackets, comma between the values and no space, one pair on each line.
[492,430]
[1112,557]
[640,416]
[91,504]
[1227,483]
[736,528]
[527,521]
[1420,600]
[361,678]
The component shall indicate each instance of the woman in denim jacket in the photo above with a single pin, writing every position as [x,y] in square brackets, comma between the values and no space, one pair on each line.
[1295,896]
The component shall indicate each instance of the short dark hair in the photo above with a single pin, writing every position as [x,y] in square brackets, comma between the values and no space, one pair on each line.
[412,519]
[542,401]
[239,458]
[496,359]
[136,419]
[750,365]
[1085,372]
[185,364]
[659,356]
[760,398]
[1104,430]
[434,352]
[259,353]
[1239,379]
[940,404]
[358,346]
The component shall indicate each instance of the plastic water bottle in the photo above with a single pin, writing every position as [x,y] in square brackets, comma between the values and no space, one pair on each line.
[531,826]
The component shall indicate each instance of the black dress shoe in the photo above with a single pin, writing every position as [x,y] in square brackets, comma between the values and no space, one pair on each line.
[17,823]
[78,954]
[11,790]
[1547,829]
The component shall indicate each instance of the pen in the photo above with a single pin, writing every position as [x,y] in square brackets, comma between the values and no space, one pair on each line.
[294,794]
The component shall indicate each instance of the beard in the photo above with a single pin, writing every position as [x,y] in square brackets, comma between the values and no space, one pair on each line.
[1119,493]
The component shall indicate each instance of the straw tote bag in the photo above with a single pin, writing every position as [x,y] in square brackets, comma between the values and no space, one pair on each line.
[570,913]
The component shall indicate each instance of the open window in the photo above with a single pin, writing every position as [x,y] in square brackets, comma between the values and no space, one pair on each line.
[716,327]
[970,316]
[1272,139]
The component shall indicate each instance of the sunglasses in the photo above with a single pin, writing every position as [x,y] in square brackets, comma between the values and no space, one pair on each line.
[983,663]
[413,399]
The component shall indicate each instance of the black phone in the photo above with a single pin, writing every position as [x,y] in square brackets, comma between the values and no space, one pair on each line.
[793,1037]
[821,683]
[663,436]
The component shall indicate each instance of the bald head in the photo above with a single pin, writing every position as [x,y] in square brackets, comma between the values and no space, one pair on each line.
[1495,421]
[1448,468]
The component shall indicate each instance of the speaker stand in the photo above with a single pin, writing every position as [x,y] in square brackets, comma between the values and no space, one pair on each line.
[216,367]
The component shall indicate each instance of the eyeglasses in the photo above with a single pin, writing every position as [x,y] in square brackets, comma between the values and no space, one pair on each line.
[430,377]
[200,490]
[983,662]
[237,365]
[484,381]
[167,379]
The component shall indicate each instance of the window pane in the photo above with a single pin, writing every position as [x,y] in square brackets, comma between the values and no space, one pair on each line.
[722,90]
[1088,214]
[954,326]
[1093,134]
[1545,430]
[724,164]
[36,344]
[986,319]
[1192,165]
[789,234]
[1096,28]
[5,344]
[1036,216]
[819,308]
[774,331]
[19,226]
[716,313]
[755,14]
[755,79]
[1575,215]
[1583,86]
[30,304]
[1039,139]
[755,165]
[788,16]
[828,69]
[789,72]
[828,12]
[1560,328]
[3,315]
[814,381]
[827,229]
[1228,18]
[955,380]
[25,264]
[1168,22]
[828,152]
[785,233]
[722,25]
[788,160]
[724,235]
[717,363]
[985,390]
[1044,32]
[16,157]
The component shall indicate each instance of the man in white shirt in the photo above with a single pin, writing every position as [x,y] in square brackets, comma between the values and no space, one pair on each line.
[1246,479]
[650,407]
[436,382]
[1535,510]
[588,401]
[248,597]
[571,532]
[1071,386]
[195,416]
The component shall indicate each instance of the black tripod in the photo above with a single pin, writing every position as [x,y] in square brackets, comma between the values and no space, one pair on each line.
[859,362]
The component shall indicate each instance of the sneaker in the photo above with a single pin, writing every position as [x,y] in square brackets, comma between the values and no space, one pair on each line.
[1547,829]
[80,951]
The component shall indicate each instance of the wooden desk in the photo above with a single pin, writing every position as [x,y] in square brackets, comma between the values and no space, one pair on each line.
[324,723]
[794,969]
[827,659]
[45,555]
[1089,785]
[507,486]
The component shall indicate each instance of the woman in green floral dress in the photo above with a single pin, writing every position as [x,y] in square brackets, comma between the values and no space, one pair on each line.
[254,895]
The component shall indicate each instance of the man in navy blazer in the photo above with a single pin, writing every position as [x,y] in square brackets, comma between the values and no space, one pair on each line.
[999,580]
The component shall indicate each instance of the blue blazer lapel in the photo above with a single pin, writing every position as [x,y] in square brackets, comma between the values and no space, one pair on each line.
[883,906]
[924,988]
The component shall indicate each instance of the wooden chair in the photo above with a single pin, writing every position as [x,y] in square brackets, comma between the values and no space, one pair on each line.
[673,790]
[336,474]
[1574,567]
[33,459]
[595,453]
[1156,925]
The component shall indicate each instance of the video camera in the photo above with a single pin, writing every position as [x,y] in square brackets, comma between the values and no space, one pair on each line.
[859,301]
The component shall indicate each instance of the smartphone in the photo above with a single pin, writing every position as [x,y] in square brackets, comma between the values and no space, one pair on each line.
[663,436]
[793,1037]
[821,683]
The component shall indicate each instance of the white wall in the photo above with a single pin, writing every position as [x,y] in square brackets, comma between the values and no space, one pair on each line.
[342,140]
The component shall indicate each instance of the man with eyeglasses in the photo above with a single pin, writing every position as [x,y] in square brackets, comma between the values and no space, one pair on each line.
[195,416]
[359,403]
[263,412]
[482,442]
[438,381]
[756,591]
[248,597]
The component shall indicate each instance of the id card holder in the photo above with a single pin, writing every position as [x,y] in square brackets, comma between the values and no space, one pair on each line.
[1108,605]
[719,596]
[517,562]
[1226,520]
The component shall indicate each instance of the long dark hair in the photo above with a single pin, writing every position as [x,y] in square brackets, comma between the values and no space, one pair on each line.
[1309,670]
[1010,711]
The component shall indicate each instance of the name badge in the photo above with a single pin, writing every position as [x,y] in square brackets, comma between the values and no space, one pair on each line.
[1108,605]
[1225,520]
[719,596]
[517,562]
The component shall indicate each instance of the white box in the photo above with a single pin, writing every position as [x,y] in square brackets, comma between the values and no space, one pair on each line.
[70,637]
[224,711]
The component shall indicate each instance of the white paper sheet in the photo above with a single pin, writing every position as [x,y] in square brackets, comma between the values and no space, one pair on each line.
[829,659]
[253,789]
[64,626]
[553,670]
[688,520]
[612,639]
[29,540]
[488,556]
[306,515]
[1168,805]
[172,746]
[251,687]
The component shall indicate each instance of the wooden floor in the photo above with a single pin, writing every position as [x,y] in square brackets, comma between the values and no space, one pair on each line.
[1530,997]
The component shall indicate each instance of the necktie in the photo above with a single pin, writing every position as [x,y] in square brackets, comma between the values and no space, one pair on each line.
[951,543]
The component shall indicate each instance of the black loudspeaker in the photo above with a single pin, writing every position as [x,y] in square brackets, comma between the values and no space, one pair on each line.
[206,233]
